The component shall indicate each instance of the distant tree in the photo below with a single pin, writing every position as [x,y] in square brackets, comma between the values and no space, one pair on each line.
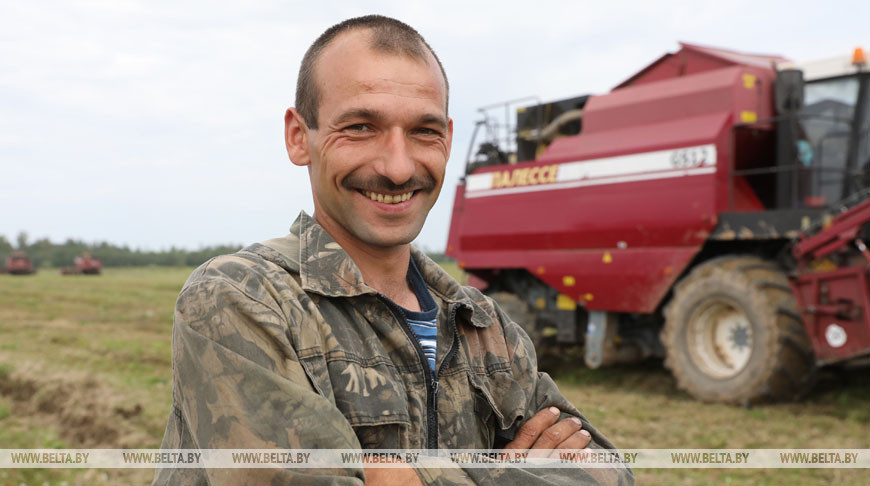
[5,249]
[22,241]
[40,252]
[43,252]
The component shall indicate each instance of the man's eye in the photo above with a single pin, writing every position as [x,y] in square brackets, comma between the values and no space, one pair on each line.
[428,132]
[357,127]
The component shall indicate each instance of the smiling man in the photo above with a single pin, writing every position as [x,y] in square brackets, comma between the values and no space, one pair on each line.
[341,335]
[371,125]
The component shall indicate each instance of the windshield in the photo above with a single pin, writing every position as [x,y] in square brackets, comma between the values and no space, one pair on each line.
[864,138]
[840,94]
[826,122]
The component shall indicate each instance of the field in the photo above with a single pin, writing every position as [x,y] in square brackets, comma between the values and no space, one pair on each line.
[85,361]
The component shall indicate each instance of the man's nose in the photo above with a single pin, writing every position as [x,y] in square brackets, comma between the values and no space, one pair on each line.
[397,164]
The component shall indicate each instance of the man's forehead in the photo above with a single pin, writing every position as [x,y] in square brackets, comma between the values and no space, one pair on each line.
[351,62]
[395,86]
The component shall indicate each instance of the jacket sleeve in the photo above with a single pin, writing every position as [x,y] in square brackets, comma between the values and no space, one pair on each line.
[237,383]
[541,393]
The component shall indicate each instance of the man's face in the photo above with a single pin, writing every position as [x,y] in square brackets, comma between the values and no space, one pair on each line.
[377,159]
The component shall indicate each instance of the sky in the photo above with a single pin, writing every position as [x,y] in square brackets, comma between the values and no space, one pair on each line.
[160,123]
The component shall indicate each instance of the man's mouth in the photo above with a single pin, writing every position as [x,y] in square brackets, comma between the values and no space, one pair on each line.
[389,198]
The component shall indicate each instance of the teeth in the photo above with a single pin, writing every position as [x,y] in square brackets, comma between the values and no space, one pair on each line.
[389,198]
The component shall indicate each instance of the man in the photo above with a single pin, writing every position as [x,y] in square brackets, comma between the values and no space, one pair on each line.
[341,335]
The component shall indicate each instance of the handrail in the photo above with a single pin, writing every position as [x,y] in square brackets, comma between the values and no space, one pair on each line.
[494,128]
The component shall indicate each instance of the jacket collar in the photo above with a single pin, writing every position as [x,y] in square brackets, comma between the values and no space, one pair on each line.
[325,268]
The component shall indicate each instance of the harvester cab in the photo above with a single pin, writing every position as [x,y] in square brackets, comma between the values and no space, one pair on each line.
[666,219]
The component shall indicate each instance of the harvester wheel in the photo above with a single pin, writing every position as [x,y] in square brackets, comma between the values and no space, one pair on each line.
[733,334]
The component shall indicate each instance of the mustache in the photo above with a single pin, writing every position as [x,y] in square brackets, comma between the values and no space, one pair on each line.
[379,183]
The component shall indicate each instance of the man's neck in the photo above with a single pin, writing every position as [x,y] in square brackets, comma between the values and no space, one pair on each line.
[384,269]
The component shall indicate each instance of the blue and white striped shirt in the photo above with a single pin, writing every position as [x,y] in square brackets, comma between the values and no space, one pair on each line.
[423,324]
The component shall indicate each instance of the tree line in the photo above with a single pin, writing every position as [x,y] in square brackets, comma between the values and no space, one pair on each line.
[45,253]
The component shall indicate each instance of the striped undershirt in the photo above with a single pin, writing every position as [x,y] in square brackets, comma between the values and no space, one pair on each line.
[423,324]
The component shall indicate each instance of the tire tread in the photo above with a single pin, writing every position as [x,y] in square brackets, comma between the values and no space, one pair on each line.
[785,369]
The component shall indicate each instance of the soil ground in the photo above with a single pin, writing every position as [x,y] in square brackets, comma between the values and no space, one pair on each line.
[85,361]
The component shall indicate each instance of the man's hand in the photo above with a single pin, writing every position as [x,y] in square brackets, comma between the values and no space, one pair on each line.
[543,432]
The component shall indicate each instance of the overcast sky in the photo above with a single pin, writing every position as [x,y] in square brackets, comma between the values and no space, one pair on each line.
[159,123]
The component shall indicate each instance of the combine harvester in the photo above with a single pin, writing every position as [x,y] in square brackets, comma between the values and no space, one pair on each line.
[712,210]
[19,264]
[85,264]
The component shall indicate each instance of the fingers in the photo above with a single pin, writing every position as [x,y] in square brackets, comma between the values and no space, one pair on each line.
[567,434]
[577,440]
[553,437]
[529,433]
[541,435]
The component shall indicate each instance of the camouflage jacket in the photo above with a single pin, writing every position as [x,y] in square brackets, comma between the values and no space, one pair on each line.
[282,345]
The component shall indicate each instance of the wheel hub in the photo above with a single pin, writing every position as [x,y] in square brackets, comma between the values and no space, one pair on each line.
[720,339]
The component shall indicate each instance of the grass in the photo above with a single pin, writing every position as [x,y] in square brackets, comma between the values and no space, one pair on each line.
[101,343]
[78,349]
[639,407]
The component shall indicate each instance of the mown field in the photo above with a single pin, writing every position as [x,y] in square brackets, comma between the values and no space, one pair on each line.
[85,361]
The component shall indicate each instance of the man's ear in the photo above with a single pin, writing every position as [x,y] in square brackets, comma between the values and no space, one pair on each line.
[296,138]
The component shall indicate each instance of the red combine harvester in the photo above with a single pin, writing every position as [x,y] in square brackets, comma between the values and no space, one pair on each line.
[85,264]
[711,210]
[18,264]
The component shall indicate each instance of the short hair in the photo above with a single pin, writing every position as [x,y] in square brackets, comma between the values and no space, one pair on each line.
[388,35]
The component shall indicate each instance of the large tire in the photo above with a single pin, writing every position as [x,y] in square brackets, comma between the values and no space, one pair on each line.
[733,334]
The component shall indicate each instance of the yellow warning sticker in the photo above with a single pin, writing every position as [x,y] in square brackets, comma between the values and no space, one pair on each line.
[563,302]
[748,81]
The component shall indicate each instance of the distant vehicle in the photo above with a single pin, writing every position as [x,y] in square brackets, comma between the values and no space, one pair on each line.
[19,264]
[86,264]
